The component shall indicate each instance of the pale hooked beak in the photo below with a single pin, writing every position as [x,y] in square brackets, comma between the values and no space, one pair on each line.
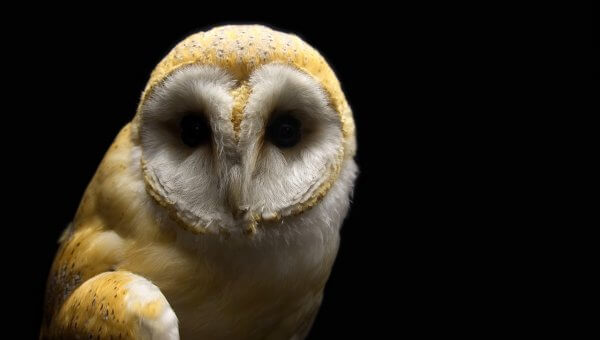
[240,212]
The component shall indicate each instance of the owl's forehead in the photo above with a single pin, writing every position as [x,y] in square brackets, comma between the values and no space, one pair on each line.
[241,49]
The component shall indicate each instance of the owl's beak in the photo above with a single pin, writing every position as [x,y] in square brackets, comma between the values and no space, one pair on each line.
[235,192]
[240,212]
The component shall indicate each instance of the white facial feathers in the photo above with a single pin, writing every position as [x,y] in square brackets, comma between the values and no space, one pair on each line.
[233,180]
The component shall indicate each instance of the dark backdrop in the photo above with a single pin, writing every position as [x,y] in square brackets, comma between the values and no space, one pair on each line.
[405,264]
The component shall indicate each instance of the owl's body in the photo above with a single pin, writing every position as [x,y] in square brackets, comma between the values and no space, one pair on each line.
[226,236]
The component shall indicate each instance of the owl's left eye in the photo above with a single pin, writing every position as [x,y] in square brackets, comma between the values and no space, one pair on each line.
[194,130]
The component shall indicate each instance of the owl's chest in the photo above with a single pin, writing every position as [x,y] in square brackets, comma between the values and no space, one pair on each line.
[242,292]
[238,312]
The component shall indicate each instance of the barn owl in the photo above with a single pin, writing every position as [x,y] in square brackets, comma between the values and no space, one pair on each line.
[215,213]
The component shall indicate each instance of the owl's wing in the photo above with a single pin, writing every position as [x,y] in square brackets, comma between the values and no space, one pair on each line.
[114,305]
[87,298]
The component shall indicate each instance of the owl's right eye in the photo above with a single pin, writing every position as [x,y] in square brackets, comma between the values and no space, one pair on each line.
[195,130]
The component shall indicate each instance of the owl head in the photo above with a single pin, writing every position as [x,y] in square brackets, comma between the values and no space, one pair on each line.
[242,126]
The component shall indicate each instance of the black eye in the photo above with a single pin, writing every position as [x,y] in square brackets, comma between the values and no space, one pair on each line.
[194,130]
[284,131]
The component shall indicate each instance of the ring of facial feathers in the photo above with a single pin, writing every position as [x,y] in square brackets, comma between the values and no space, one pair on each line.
[216,212]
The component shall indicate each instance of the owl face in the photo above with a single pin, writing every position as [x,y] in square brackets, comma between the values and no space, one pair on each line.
[236,131]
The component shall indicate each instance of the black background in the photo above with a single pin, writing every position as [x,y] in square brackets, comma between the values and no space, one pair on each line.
[414,259]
